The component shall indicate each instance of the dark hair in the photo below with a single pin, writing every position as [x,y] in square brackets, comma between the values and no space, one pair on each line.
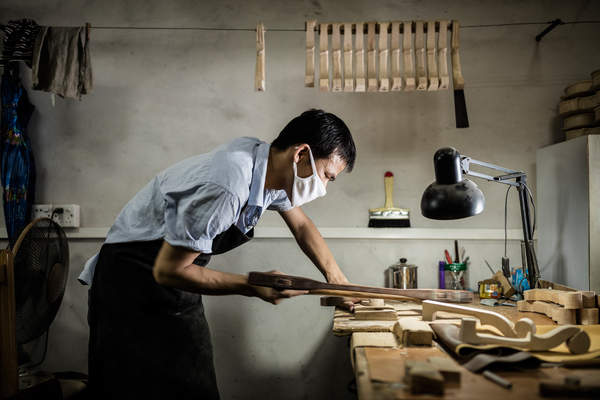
[325,133]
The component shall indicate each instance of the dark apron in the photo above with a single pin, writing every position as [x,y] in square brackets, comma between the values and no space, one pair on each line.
[146,340]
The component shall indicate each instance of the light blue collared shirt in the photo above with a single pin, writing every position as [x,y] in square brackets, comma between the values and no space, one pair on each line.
[191,202]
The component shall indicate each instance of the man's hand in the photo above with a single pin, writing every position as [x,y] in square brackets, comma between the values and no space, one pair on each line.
[341,279]
[274,296]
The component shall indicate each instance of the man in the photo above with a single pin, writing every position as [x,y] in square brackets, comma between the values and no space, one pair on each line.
[148,334]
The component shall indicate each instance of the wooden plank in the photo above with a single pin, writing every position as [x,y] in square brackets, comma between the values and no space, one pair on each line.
[281,281]
[376,315]
[259,76]
[569,300]
[449,369]
[9,384]
[432,61]
[587,316]
[408,52]
[348,60]
[323,58]
[371,58]
[309,77]
[384,79]
[396,74]
[443,55]
[559,314]
[336,48]
[344,326]
[364,387]
[359,50]
[420,56]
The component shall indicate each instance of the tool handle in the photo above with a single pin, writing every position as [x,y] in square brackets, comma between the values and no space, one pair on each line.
[457,78]
[389,190]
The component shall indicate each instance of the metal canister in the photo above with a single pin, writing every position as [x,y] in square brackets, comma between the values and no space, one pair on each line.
[401,275]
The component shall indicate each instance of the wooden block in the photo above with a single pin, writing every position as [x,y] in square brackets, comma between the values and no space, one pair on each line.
[587,316]
[432,67]
[412,331]
[396,75]
[443,55]
[359,51]
[375,315]
[422,377]
[309,77]
[384,79]
[420,56]
[589,299]
[372,85]
[336,51]
[582,88]
[449,369]
[374,339]
[507,289]
[582,120]
[259,74]
[558,314]
[323,58]
[569,300]
[348,60]
[408,53]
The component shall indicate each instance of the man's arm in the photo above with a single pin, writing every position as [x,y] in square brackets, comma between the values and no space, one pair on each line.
[312,244]
[174,267]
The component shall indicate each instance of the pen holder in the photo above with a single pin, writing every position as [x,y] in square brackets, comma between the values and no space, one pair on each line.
[456,276]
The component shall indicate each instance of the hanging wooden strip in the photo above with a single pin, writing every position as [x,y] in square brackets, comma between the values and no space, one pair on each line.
[384,78]
[432,67]
[420,56]
[443,55]
[336,49]
[409,54]
[396,77]
[309,78]
[359,51]
[371,59]
[348,78]
[259,75]
[323,58]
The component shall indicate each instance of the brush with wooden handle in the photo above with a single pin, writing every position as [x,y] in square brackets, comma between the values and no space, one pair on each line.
[283,282]
[389,216]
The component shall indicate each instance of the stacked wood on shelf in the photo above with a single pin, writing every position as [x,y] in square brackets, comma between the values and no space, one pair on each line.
[564,307]
[580,108]
[380,56]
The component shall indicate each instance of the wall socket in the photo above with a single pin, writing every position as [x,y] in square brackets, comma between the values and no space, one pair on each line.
[69,218]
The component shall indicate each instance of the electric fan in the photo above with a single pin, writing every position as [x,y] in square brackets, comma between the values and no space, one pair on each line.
[39,265]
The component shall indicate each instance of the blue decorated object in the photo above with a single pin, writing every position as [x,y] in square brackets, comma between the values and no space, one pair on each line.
[17,168]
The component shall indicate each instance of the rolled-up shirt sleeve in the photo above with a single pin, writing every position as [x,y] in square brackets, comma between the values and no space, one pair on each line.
[194,218]
[280,202]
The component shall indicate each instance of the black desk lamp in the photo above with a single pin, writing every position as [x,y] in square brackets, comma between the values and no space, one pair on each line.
[453,197]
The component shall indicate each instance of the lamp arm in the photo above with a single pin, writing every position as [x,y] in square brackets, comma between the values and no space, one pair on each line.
[507,178]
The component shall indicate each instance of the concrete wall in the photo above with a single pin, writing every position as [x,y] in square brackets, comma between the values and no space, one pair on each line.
[162,95]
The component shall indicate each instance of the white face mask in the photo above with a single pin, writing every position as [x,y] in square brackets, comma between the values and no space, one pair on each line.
[309,188]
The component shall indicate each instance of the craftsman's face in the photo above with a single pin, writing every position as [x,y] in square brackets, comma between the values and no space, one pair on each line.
[327,168]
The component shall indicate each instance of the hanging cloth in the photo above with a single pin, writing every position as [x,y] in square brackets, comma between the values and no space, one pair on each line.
[19,39]
[17,168]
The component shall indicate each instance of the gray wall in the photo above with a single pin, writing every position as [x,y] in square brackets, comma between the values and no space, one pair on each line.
[161,96]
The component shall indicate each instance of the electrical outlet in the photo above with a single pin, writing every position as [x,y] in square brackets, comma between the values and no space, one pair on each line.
[41,211]
[69,218]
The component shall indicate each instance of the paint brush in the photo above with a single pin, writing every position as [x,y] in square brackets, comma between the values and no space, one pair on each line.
[389,216]
[460,106]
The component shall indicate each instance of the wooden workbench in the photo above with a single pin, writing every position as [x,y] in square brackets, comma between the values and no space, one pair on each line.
[473,386]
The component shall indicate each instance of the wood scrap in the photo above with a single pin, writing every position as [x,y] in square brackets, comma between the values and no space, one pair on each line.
[375,315]
[344,326]
[423,377]
[578,89]
[589,299]
[558,314]
[443,55]
[576,340]
[374,339]
[507,289]
[413,331]
[449,369]
[569,300]
[583,120]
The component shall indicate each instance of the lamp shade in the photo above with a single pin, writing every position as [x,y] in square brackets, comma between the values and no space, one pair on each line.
[450,196]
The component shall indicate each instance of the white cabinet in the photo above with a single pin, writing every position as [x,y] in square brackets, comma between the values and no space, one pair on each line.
[568,212]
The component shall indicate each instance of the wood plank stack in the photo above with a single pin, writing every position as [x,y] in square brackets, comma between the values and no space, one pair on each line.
[580,108]
[563,306]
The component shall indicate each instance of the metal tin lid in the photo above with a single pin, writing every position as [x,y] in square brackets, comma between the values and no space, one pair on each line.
[401,264]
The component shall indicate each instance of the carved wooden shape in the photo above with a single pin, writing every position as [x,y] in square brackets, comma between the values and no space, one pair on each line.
[558,314]
[576,340]
[569,300]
